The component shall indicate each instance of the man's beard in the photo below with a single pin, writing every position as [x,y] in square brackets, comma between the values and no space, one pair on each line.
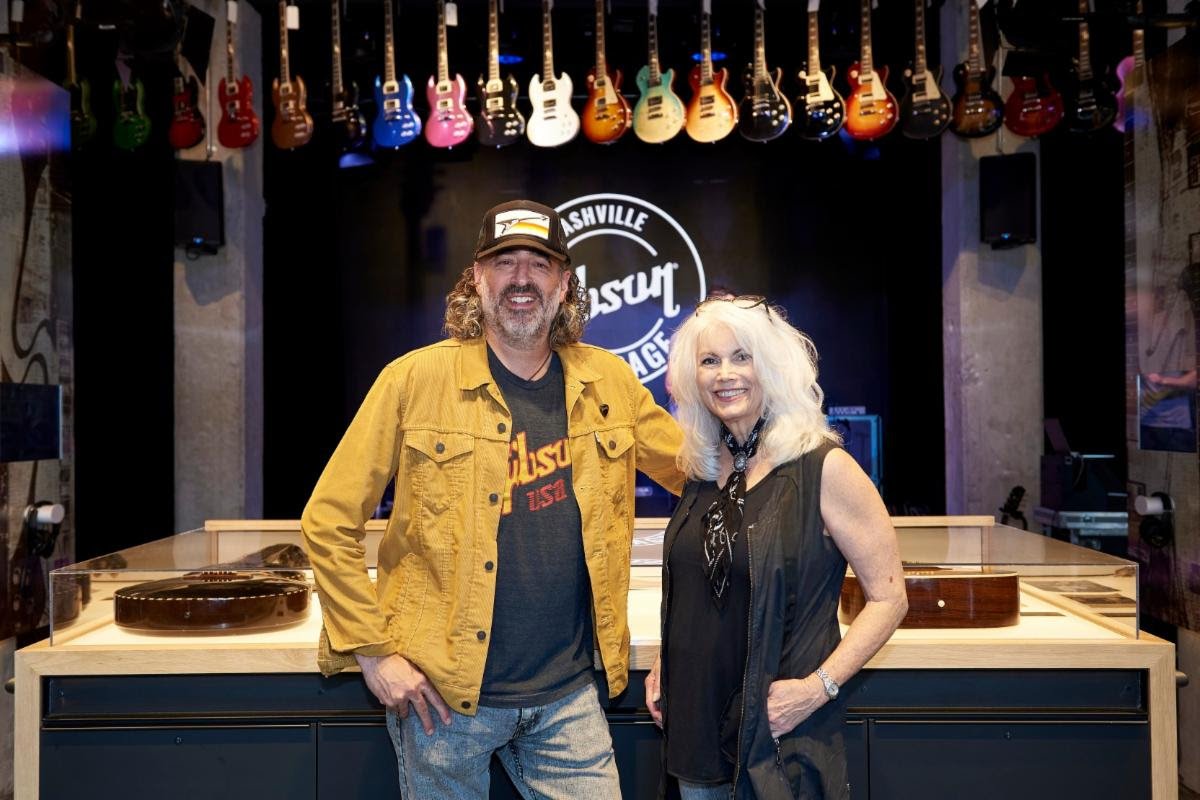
[518,327]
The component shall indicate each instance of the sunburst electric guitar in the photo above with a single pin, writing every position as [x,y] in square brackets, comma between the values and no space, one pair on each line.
[711,113]
[553,121]
[606,115]
[978,109]
[870,108]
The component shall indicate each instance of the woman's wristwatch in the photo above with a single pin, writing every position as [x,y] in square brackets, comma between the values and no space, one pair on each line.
[831,687]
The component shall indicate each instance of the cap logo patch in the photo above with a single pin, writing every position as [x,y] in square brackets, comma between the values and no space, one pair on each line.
[523,222]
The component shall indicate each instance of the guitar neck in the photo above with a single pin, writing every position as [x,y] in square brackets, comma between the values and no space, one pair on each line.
[1139,42]
[389,43]
[443,54]
[919,66]
[864,60]
[71,78]
[284,75]
[814,49]
[655,70]
[335,28]
[601,65]
[493,40]
[975,48]
[230,75]
[547,43]
[706,70]
[1085,55]
[760,46]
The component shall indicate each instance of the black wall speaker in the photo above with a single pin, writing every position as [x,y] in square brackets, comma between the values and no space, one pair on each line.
[1008,200]
[199,206]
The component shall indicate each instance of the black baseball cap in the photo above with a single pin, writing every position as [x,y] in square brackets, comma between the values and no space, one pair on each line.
[522,223]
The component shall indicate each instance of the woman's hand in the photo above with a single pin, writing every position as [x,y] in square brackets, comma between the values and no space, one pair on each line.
[790,702]
[654,693]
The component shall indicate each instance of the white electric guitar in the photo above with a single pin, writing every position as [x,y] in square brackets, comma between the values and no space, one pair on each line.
[553,121]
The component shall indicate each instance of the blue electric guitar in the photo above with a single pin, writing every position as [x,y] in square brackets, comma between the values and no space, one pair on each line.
[659,112]
[396,124]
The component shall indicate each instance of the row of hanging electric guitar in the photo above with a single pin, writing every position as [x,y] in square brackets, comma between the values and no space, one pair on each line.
[764,113]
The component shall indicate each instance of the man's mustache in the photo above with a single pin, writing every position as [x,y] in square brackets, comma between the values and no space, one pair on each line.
[527,288]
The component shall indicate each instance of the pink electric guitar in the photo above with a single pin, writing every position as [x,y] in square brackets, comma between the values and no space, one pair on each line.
[449,123]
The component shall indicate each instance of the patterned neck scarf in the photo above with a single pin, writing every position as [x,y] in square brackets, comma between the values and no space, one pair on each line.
[723,519]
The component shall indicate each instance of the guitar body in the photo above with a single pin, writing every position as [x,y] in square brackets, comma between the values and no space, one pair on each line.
[606,115]
[348,123]
[449,124]
[1088,104]
[132,127]
[765,113]
[924,111]
[187,123]
[659,114]
[293,125]
[498,123]
[820,110]
[711,113]
[396,124]
[870,109]
[83,120]
[239,124]
[1034,107]
[978,108]
[553,121]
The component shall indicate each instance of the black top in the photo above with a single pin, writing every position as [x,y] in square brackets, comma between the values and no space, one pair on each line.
[704,710]
[541,638]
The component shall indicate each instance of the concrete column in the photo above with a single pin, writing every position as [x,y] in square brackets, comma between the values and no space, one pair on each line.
[218,320]
[992,325]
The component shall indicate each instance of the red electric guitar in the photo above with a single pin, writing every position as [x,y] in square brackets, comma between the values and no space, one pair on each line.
[870,108]
[187,123]
[239,124]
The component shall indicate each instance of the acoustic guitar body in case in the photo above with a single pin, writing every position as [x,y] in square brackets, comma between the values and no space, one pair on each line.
[947,598]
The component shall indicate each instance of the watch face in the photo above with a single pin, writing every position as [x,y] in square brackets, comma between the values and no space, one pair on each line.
[832,689]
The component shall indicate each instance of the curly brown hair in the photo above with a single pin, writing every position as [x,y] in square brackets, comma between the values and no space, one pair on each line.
[464,311]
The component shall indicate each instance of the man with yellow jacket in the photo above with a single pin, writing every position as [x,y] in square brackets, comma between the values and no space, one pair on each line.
[505,563]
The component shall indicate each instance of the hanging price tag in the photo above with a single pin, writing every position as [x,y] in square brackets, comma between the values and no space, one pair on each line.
[231,11]
[452,14]
[706,6]
[654,8]
[17,14]
[293,18]
[813,5]
[981,3]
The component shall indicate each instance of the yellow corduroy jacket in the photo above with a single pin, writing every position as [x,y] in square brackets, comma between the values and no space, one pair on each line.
[437,422]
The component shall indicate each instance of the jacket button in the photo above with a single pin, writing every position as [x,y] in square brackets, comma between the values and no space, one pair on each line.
[441,448]
[502,427]
[611,444]
[489,566]
[493,497]
[466,703]
[480,635]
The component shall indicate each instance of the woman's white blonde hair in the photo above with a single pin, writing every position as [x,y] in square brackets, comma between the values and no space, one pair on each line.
[785,363]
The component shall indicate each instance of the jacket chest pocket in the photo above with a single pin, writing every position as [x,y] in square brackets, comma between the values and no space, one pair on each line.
[437,467]
[616,446]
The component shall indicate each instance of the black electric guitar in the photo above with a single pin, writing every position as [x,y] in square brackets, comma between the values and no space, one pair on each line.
[978,108]
[924,111]
[498,122]
[1088,102]
[348,123]
[819,108]
[765,113]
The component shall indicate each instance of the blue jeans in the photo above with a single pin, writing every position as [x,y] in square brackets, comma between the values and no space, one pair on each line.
[696,791]
[559,750]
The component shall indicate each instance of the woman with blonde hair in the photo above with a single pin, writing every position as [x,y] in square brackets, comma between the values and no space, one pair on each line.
[746,687]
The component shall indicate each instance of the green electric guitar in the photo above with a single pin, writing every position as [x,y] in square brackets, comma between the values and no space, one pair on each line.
[132,127]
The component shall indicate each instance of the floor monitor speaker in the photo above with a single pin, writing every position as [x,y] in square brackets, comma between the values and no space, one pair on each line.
[1008,200]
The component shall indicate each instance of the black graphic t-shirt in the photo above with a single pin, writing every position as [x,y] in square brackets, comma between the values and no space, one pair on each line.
[541,643]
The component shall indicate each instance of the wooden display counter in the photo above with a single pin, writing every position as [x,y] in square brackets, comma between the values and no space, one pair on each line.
[101,696]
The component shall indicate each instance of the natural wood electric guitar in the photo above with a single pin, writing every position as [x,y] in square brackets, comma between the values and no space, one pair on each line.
[924,111]
[711,113]
[449,124]
[606,115]
[293,125]
[1088,103]
[347,121]
[553,121]
[870,108]
[978,108]
[396,124]
[499,122]
[239,124]
[819,108]
[658,115]
[765,112]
